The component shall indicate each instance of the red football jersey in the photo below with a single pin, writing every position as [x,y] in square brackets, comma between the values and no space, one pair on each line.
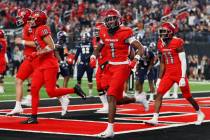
[117,45]
[3,49]
[28,35]
[170,54]
[103,55]
[47,60]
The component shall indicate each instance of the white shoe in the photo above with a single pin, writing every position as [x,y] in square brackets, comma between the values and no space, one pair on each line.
[141,98]
[200,118]
[152,122]
[16,110]
[151,97]
[167,95]
[64,100]
[103,110]
[26,101]
[106,134]
[174,95]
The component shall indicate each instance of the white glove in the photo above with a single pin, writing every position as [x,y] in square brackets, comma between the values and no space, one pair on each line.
[158,82]
[182,82]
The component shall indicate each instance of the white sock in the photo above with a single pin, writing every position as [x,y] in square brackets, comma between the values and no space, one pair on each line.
[18,104]
[199,111]
[104,100]
[136,93]
[90,91]
[176,88]
[155,116]
[110,126]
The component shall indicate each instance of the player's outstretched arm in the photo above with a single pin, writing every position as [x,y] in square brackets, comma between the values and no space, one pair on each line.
[19,40]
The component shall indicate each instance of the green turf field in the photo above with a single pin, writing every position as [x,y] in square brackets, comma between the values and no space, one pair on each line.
[10,88]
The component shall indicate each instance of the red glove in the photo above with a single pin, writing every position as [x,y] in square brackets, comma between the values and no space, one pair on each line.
[92,61]
[132,64]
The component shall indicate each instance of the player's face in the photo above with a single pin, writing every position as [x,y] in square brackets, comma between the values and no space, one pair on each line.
[32,22]
[164,33]
[111,22]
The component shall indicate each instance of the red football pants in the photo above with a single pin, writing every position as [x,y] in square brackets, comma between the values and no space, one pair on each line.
[48,78]
[167,82]
[26,68]
[102,78]
[118,75]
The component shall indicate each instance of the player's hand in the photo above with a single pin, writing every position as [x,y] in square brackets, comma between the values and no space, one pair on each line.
[132,64]
[158,82]
[182,82]
[18,40]
[92,61]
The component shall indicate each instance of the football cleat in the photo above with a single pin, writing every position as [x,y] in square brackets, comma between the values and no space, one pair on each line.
[26,101]
[31,120]
[64,100]
[200,118]
[106,134]
[141,98]
[151,97]
[103,110]
[152,122]
[16,110]
[79,91]
[175,95]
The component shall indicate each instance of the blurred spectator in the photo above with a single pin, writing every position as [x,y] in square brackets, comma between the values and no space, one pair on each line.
[16,60]
[144,16]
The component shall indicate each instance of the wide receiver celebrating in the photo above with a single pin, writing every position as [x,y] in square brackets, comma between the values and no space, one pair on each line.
[46,73]
[116,39]
[28,66]
[172,70]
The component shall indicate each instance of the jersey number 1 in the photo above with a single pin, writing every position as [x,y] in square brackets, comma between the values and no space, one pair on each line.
[112,49]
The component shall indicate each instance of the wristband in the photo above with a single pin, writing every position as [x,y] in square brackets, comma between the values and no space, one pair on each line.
[23,42]
[138,57]
[48,48]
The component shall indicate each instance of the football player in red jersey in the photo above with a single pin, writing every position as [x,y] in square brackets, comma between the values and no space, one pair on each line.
[116,40]
[101,81]
[46,73]
[3,59]
[27,67]
[172,70]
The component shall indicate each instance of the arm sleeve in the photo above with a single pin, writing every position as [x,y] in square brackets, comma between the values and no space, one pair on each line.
[182,57]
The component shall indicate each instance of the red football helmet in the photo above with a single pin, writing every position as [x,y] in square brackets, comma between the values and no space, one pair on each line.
[38,18]
[1,33]
[167,30]
[112,18]
[23,16]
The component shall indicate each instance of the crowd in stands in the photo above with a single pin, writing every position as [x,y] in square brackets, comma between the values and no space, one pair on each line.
[144,16]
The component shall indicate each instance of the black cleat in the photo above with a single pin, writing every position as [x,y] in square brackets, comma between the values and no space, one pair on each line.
[79,91]
[30,120]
